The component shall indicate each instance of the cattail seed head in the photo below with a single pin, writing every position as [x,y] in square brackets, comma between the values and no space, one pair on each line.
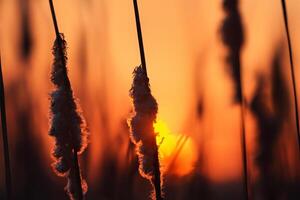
[232,29]
[68,126]
[142,131]
[232,35]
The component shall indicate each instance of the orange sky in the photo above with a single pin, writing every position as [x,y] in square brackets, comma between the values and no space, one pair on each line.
[179,35]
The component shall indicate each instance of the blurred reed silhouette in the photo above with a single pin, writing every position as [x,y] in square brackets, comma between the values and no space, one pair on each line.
[5,137]
[199,184]
[26,37]
[115,175]
[232,35]
[271,118]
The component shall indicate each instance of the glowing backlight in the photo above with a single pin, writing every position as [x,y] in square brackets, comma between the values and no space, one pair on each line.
[177,155]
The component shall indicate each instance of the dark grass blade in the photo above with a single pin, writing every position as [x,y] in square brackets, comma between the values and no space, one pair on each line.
[5,137]
[75,156]
[285,15]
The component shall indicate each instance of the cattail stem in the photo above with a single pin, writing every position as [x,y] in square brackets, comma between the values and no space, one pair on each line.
[54,19]
[157,175]
[243,128]
[237,62]
[244,151]
[75,156]
[140,36]
[5,137]
[292,68]
[77,174]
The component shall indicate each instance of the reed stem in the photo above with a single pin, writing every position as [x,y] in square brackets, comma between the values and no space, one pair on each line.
[140,36]
[244,151]
[75,156]
[54,19]
[5,137]
[237,62]
[292,68]
[157,179]
[77,174]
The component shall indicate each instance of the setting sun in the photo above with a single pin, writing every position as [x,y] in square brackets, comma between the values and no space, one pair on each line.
[139,100]
[177,151]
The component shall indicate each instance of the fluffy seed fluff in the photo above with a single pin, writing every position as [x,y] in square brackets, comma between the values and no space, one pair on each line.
[142,131]
[68,126]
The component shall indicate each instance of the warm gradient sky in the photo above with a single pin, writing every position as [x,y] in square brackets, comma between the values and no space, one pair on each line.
[182,44]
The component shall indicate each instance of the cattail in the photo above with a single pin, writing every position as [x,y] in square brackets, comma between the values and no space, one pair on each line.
[280,88]
[142,130]
[292,69]
[270,126]
[233,38]
[141,124]
[266,136]
[26,37]
[68,126]
[5,137]
[265,126]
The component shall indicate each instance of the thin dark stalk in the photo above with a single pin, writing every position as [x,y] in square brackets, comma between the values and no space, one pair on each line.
[243,128]
[5,137]
[237,62]
[77,174]
[243,131]
[140,36]
[157,179]
[75,156]
[244,151]
[292,68]
[54,19]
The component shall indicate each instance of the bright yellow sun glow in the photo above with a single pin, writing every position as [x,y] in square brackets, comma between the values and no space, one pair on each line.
[177,152]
